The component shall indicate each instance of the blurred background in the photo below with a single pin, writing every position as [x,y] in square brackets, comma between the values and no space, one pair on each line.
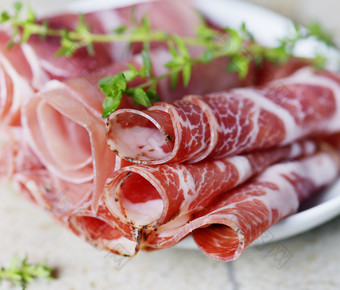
[304,11]
[301,11]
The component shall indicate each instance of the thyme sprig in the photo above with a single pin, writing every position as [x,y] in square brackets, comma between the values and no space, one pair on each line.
[81,36]
[22,273]
[236,44]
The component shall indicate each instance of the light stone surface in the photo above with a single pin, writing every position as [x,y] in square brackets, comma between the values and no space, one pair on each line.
[306,262]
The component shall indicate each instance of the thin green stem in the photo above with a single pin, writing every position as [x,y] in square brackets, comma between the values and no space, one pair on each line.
[238,46]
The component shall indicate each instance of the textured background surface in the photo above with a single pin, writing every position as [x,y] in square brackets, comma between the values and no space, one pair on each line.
[307,261]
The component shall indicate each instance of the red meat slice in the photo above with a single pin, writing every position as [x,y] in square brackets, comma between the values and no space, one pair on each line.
[150,196]
[229,122]
[238,217]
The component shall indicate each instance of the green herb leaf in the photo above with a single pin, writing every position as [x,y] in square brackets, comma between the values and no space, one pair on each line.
[120,29]
[23,273]
[30,15]
[147,62]
[182,48]
[26,34]
[320,61]
[81,26]
[141,97]
[152,95]
[315,29]
[111,84]
[4,17]
[68,46]
[206,33]
[11,42]
[143,72]
[113,87]
[234,43]
[186,74]
[90,49]
[111,103]
[207,56]
[174,80]
[132,73]
[246,33]
[239,64]
[172,49]
[18,6]
[277,55]
[44,32]
[145,21]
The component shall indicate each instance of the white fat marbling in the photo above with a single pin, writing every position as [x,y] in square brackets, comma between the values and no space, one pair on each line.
[143,213]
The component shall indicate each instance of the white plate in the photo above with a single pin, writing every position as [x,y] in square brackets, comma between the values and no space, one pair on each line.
[267,27]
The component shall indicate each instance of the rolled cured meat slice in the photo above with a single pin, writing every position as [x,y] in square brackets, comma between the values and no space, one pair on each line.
[69,203]
[236,218]
[19,164]
[150,196]
[226,123]
[67,134]
[104,232]
[63,124]
[57,196]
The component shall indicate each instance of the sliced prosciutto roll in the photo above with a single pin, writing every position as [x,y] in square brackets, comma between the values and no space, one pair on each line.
[238,217]
[226,123]
[71,205]
[66,201]
[150,196]
[105,232]
[64,129]
[63,124]
[57,196]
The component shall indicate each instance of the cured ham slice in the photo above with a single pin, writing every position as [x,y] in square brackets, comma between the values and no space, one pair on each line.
[104,232]
[68,135]
[229,122]
[66,201]
[150,196]
[70,204]
[56,151]
[162,15]
[26,68]
[15,87]
[65,116]
[63,126]
[213,74]
[236,218]
[15,154]
[57,196]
